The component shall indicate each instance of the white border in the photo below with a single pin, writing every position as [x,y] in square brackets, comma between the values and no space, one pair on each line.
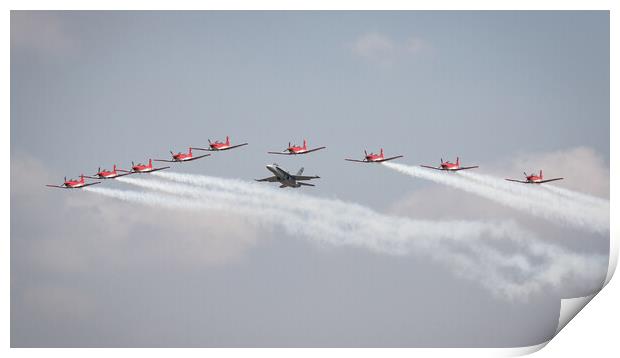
[595,332]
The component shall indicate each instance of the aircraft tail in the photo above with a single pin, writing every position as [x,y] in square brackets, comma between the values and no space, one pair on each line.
[190,150]
[541,175]
[381,152]
[305,146]
[114,168]
[300,172]
[227,140]
[81,178]
[458,162]
[150,162]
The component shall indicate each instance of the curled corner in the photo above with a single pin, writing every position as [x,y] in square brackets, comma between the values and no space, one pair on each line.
[569,307]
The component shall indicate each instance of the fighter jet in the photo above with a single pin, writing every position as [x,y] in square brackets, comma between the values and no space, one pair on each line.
[285,179]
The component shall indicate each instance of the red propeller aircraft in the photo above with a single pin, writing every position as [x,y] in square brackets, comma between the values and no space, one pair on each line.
[143,168]
[108,174]
[217,145]
[73,183]
[374,158]
[453,167]
[182,157]
[534,179]
[295,149]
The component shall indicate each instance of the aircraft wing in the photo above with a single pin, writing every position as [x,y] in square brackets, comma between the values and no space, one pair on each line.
[548,180]
[357,161]
[86,176]
[313,150]
[235,146]
[429,167]
[165,160]
[306,184]
[465,168]
[198,157]
[270,179]
[281,153]
[89,184]
[518,181]
[156,169]
[305,177]
[57,186]
[121,175]
[205,149]
[386,159]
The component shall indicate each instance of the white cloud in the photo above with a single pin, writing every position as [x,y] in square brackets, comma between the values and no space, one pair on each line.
[40,31]
[107,232]
[382,49]
[583,169]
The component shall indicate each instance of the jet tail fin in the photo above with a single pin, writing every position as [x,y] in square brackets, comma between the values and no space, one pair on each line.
[300,172]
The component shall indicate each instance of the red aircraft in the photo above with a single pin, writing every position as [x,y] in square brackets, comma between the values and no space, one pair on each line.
[143,168]
[295,149]
[374,158]
[109,174]
[217,145]
[453,167]
[182,157]
[73,183]
[534,179]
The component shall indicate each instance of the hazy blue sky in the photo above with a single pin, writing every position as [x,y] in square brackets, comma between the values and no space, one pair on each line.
[90,89]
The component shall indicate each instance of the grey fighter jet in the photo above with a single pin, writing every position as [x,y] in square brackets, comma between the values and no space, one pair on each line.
[285,179]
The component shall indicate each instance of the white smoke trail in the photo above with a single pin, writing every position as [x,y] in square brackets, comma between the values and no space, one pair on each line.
[470,249]
[530,199]
[577,196]
[569,205]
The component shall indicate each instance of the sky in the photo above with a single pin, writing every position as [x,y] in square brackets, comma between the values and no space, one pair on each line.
[509,91]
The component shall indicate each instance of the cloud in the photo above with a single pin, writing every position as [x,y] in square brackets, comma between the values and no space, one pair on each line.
[42,32]
[382,49]
[109,234]
[582,167]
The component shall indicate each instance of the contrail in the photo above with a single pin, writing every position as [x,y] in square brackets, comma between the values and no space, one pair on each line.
[532,200]
[470,249]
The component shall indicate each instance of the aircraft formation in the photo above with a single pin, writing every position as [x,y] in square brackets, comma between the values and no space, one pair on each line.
[280,175]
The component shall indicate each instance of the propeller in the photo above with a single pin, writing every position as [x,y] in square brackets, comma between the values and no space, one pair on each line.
[441,159]
[289,144]
[172,153]
[365,152]
[524,173]
[65,178]
[209,141]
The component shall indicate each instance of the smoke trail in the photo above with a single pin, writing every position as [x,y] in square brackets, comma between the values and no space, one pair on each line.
[530,199]
[593,214]
[471,249]
[577,196]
